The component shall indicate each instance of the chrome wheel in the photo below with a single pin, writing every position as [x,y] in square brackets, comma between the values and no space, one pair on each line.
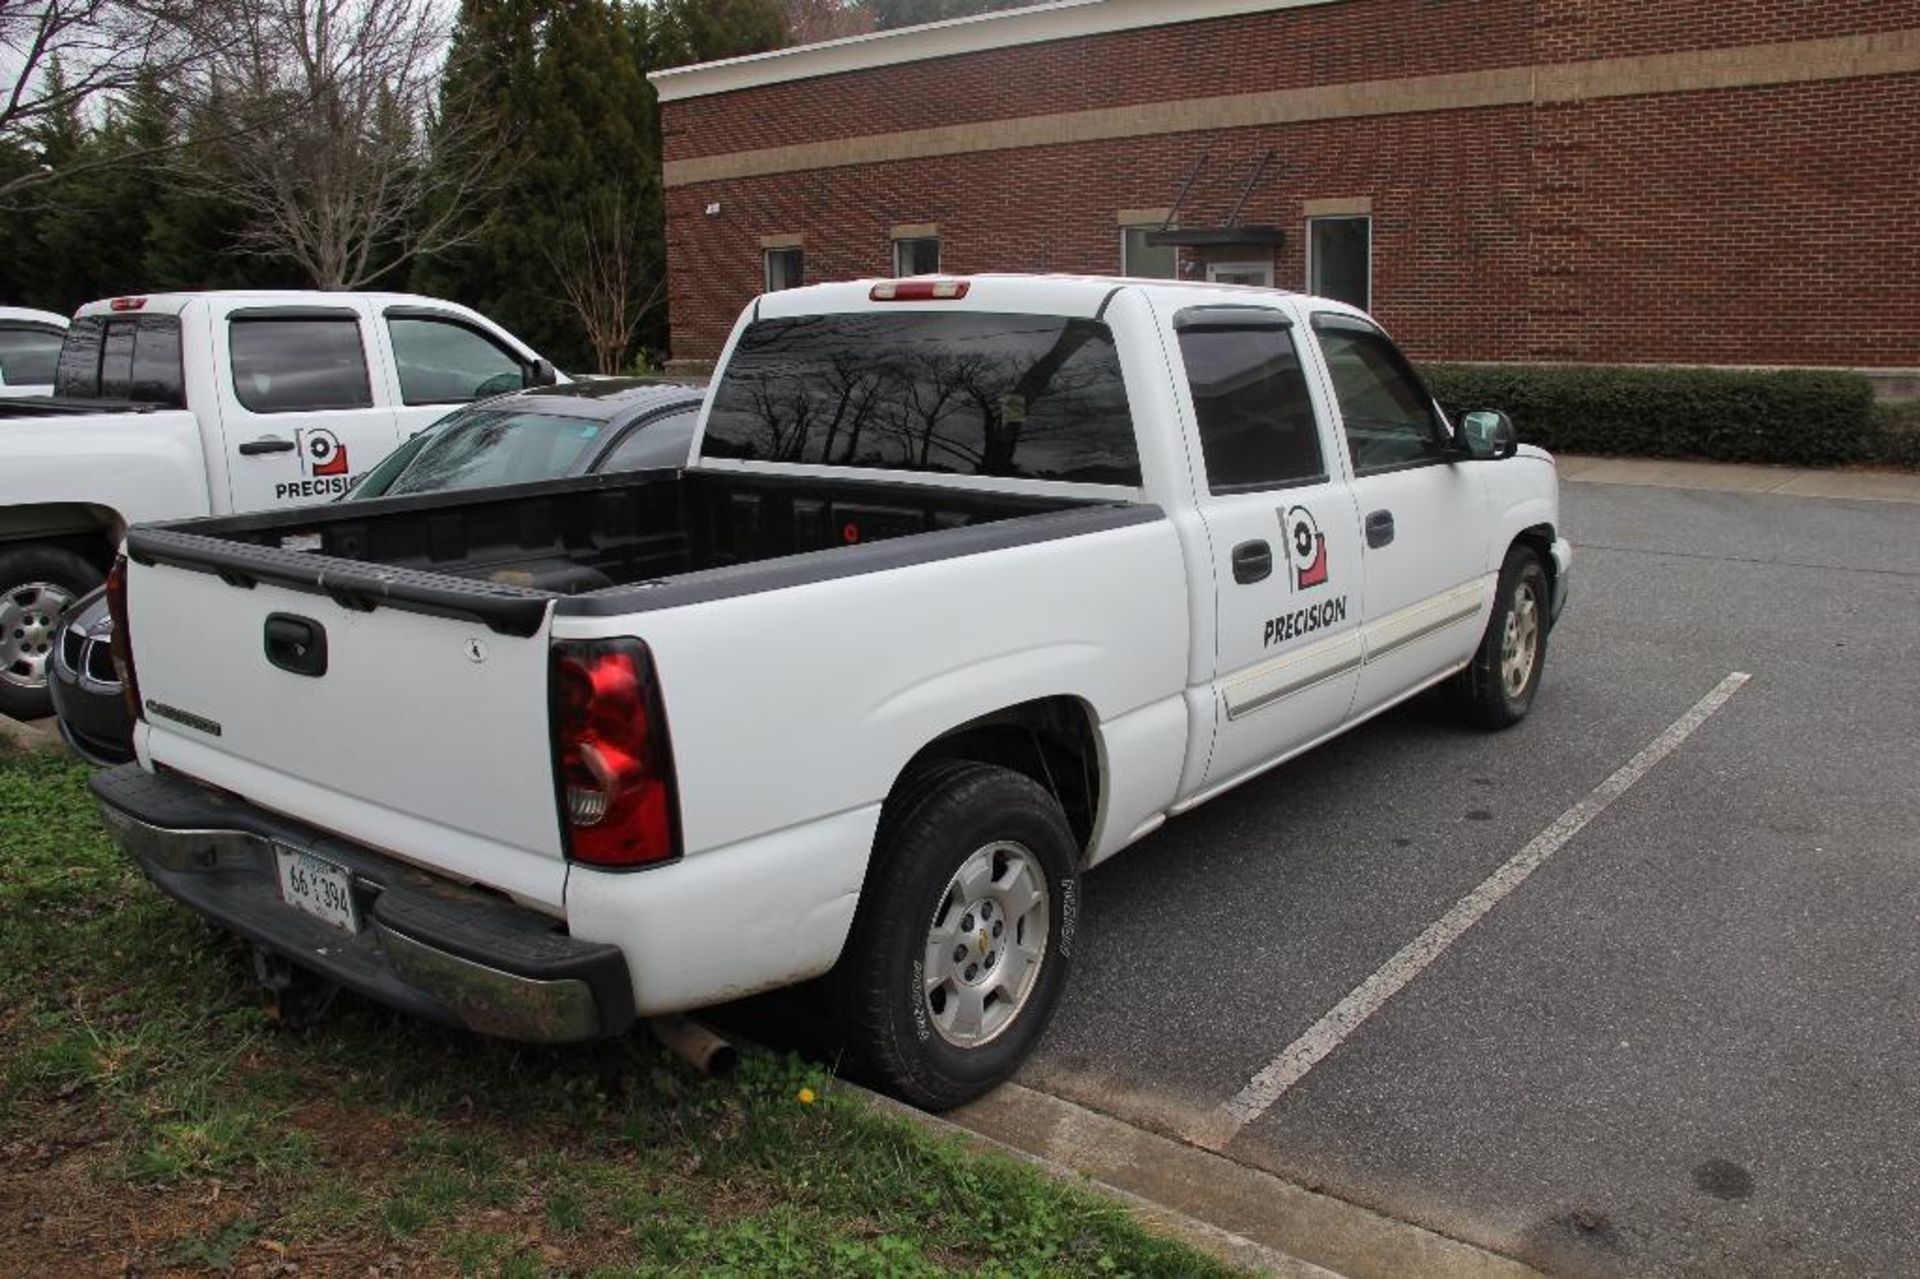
[985,945]
[28,614]
[1520,642]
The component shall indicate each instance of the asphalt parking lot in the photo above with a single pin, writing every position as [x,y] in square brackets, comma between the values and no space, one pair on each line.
[1689,1041]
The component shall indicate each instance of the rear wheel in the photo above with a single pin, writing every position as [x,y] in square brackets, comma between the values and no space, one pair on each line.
[1497,690]
[961,945]
[37,583]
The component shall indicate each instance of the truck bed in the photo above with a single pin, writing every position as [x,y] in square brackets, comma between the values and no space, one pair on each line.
[606,545]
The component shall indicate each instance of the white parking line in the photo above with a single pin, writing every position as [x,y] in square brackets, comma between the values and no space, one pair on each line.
[1327,1034]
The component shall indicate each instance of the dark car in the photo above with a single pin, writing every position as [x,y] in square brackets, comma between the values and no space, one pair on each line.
[86,691]
[605,424]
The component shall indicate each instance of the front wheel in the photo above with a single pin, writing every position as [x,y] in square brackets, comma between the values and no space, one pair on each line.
[1497,690]
[37,583]
[962,942]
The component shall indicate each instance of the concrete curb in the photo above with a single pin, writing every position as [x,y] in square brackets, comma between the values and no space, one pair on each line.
[1216,1241]
[39,736]
[1309,1232]
[1729,477]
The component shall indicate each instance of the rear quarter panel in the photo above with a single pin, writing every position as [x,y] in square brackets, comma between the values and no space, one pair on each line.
[789,706]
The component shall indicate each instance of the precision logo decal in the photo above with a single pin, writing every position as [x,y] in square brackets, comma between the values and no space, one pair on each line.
[1306,548]
[1307,558]
[323,456]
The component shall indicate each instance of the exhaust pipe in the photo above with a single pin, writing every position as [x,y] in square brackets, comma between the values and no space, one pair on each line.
[694,1044]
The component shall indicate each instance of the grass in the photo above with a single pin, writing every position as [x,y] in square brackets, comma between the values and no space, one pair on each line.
[153,1119]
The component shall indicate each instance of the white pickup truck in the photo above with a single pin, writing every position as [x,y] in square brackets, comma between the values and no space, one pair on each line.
[969,584]
[186,404]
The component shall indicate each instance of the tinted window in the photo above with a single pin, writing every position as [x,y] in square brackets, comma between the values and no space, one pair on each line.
[28,356]
[1030,396]
[662,442]
[122,357]
[786,269]
[477,447]
[446,363]
[1341,250]
[1389,417]
[1250,400]
[116,359]
[290,365]
[917,257]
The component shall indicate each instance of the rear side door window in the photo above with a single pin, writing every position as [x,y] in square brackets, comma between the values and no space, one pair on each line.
[442,361]
[1389,418]
[1250,399]
[663,442]
[28,355]
[299,364]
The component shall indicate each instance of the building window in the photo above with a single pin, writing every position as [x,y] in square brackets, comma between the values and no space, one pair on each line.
[917,256]
[1340,260]
[1146,261]
[786,268]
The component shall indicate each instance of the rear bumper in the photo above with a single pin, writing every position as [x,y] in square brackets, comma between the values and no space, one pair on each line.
[427,946]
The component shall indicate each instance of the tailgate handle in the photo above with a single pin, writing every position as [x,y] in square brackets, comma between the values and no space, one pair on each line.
[297,645]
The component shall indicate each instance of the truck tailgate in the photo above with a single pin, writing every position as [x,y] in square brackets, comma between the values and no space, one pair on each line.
[424,735]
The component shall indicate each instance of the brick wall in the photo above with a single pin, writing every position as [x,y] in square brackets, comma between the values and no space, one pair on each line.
[1764,224]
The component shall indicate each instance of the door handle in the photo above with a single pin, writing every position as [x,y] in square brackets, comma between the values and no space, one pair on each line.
[1379,529]
[266,444]
[1252,562]
[297,645]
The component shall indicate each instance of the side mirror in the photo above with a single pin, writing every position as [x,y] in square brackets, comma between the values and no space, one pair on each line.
[1486,435]
[543,373]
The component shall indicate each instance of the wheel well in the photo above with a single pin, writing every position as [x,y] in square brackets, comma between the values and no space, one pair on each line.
[1051,740]
[1540,539]
[92,532]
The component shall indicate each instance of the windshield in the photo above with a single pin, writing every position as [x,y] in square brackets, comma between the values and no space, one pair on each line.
[475,447]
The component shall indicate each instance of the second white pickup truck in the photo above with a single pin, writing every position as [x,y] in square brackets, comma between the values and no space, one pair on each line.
[184,404]
[970,584]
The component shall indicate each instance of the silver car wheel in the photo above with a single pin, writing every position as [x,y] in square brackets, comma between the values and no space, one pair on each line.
[985,944]
[1520,642]
[29,613]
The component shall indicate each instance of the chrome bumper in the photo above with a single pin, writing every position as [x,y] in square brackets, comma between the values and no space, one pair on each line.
[428,946]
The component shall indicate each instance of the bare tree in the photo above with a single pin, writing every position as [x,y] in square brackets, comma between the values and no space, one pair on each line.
[58,55]
[331,143]
[600,269]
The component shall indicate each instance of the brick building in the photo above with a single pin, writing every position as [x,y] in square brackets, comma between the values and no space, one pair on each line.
[1592,181]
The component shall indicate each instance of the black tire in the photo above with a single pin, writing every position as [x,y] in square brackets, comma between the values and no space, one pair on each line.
[934,825]
[1486,695]
[22,694]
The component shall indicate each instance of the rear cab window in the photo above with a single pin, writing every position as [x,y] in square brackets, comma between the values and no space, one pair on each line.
[1016,396]
[134,357]
[298,362]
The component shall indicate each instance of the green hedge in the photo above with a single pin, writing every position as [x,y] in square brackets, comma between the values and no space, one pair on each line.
[1794,418]
[1899,432]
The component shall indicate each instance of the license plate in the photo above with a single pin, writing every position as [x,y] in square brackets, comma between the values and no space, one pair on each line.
[318,887]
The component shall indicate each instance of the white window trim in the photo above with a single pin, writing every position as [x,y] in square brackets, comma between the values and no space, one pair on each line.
[1367,218]
[939,254]
[766,265]
[1252,264]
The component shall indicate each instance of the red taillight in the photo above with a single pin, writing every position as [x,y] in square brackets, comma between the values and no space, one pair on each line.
[121,646]
[127,304]
[919,290]
[611,754]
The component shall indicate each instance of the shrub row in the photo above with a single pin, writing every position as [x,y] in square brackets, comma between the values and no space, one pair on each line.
[1795,418]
